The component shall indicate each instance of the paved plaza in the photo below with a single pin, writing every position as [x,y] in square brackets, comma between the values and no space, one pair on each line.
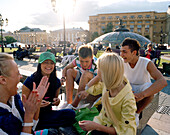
[159,122]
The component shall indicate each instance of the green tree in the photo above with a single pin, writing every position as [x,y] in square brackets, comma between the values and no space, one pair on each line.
[94,35]
[109,28]
[10,39]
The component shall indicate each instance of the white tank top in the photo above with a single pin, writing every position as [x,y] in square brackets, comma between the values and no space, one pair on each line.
[138,74]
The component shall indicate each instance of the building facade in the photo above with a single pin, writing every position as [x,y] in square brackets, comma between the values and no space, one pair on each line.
[30,36]
[71,35]
[149,24]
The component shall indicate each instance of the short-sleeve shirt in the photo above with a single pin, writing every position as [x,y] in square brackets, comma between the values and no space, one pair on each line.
[50,93]
[92,68]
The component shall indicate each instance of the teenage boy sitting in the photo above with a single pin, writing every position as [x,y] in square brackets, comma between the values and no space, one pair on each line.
[85,71]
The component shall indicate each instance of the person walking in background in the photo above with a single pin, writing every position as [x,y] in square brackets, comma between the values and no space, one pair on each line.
[118,102]
[72,50]
[78,44]
[49,118]
[149,52]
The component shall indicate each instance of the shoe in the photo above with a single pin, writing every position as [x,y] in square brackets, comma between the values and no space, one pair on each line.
[82,106]
[69,106]
[137,119]
[62,106]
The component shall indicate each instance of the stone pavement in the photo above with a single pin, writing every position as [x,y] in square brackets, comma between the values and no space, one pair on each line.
[158,122]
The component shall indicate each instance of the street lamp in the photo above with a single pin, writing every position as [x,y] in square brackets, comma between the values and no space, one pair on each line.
[2,23]
[55,8]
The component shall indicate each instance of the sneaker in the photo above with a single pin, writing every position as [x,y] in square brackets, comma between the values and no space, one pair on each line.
[137,119]
[62,106]
[69,106]
[82,106]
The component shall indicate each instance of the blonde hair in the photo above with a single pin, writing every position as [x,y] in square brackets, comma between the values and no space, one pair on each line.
[112,70]
[4,64]
[150,45]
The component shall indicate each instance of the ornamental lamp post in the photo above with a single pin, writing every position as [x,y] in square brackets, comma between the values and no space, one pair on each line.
[61,4]
[2,24]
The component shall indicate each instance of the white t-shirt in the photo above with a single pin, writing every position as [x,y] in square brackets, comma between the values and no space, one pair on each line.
[139,74]
[78,45]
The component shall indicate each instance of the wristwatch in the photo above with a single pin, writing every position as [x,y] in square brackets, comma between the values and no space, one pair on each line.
[27,124]
[86,87]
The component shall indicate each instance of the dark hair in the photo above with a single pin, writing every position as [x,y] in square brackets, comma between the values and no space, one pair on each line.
[52,79]
[133,44]
[85,51]
[108,49]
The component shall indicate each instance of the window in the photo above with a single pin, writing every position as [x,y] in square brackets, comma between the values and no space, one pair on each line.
[147,28]
[103,23]
[139,26]
[117,22]
[132,16]
[124,17]
[103,29]
[139,16]
[117,17]
[116,27]
[148,16]
[139,29]
[139,21]
[131,29]
[124,22]
[131,26]
[102,18]
[156,17]
[147,21]
[154,22]
[109,17]
[132,22]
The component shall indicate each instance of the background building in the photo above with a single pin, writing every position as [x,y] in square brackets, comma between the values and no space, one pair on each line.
[71,35]
[149,24]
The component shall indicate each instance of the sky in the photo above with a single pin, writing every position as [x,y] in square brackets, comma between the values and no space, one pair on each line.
[40,14]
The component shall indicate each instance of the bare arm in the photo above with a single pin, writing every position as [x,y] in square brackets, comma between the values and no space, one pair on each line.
[90,125]
[95,80]
[64,72]
[56,100]
[159,83]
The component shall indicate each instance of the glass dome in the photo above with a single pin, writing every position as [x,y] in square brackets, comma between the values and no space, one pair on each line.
[115,38]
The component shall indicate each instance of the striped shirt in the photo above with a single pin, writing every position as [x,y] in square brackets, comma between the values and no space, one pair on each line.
[92,68]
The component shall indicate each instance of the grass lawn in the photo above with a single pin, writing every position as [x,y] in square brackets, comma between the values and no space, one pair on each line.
[8,50]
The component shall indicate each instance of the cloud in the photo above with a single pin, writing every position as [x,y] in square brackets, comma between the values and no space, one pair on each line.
[86,8]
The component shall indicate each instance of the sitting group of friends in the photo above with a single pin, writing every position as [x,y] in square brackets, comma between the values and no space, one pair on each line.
[124,83]
[23,52]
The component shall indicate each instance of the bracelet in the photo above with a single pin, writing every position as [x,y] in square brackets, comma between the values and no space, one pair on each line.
[28,124]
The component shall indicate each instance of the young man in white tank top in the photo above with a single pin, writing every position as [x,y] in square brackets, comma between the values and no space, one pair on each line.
[138,70]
